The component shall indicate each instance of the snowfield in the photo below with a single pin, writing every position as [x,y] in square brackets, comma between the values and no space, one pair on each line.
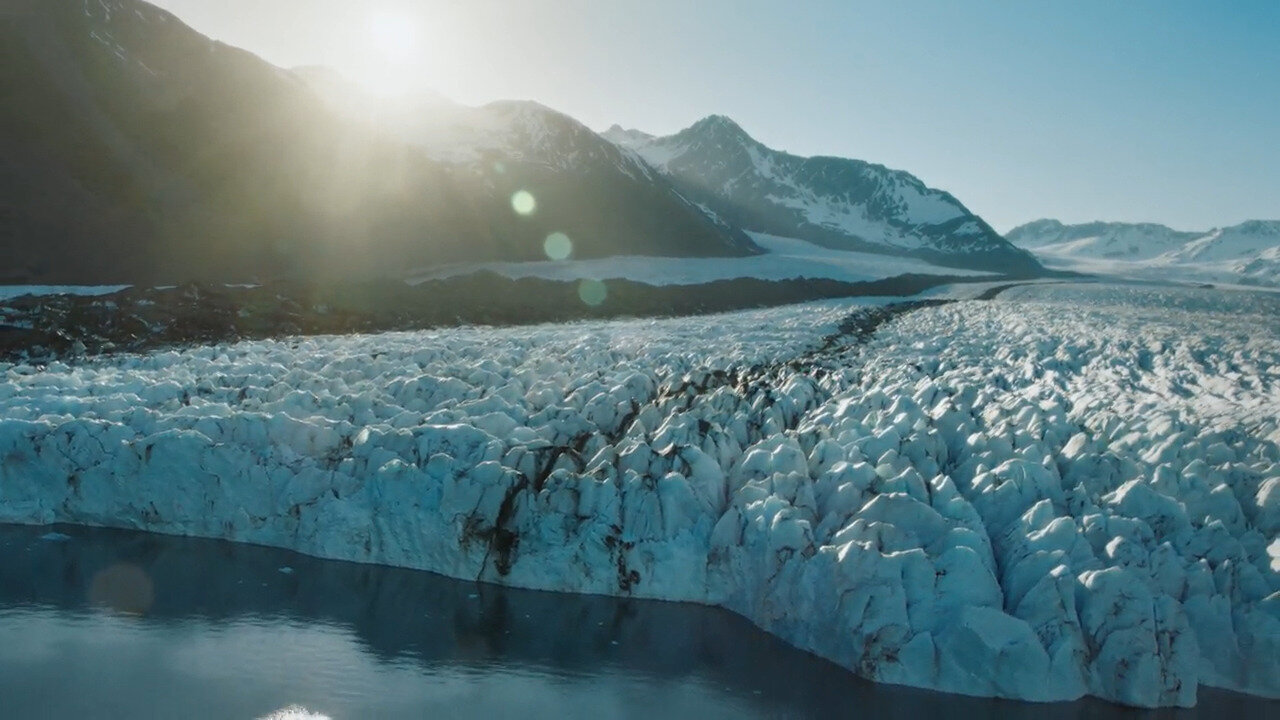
[1069,490]
[784,259]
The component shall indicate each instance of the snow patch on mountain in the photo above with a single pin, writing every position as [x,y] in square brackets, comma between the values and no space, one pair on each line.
[849,219]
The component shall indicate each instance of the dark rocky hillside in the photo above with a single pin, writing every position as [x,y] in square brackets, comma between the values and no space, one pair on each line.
[132,148]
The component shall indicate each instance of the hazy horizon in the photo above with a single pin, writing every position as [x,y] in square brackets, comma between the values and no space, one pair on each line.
[1135,112]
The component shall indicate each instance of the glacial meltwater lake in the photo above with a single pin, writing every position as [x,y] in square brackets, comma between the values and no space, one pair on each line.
[113,624]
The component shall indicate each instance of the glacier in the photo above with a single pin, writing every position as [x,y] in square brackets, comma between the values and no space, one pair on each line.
[1070,490]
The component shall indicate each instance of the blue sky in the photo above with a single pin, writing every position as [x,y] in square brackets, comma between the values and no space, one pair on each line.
[1132,110]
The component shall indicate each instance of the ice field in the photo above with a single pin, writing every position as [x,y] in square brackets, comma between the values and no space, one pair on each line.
[1071,490]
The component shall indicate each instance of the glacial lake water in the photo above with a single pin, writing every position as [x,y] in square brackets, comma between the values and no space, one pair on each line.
[115,624]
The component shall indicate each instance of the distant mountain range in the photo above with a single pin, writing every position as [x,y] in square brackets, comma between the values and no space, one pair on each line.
[133,148]
[1248,253]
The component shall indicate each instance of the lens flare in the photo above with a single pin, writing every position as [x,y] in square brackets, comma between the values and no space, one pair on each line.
[523,203]
[592,292]
[558,246]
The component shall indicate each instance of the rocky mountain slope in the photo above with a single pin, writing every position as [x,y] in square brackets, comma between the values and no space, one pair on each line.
[835,202]
[134,148]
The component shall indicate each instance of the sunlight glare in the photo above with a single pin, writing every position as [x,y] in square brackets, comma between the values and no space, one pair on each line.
[394,35]
[394,61]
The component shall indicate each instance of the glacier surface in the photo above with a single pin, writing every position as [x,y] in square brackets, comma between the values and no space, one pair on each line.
[1068,491]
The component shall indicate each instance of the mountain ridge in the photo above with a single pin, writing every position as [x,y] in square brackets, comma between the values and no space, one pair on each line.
[136,149]
[836,202]
[1247,252]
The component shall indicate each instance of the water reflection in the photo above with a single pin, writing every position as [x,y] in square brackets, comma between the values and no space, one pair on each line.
[239,631]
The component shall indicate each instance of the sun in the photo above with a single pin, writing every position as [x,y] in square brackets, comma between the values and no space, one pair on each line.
[394,55]
[395,36]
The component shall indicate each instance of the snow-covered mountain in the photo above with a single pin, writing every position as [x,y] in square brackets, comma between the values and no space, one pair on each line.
[1247,253]
[584,186]
[1100,240]
[835,202]
[1235,243]
[137,149]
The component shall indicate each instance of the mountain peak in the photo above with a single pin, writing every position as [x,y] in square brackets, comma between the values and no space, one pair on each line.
[719,124]
[521,107]
[1258,227]
[835,202]
[626,137]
